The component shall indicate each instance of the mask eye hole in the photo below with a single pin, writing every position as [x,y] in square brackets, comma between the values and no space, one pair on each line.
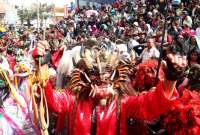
[93,72]
[91,76]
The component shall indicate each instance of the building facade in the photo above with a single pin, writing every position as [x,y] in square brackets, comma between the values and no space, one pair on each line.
[2,11]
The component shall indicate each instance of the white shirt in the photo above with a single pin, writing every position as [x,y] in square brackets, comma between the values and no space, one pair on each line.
[132,43]
[149,54]
[122,48]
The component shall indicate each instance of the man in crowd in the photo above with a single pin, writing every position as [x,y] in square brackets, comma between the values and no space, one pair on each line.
[150,52]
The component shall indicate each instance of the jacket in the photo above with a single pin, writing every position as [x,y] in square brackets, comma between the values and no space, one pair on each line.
[147,106]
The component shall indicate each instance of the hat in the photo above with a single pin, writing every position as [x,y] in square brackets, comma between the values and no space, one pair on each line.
[176,2]
[155,11]
[2,34]
[52,72]
[150,13]
[188,21]
[198,41]
[2,28]
[22,69]
[136,24]
[185,12]
[104,27]
[198,32]
[112,12]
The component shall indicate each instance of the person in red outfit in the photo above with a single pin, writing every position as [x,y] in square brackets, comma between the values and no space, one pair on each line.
[183,118]
[98,101]
[145,76]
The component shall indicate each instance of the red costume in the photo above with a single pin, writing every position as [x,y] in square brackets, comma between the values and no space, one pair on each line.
[12,61]
[56,57]
[184,116]
[147,106]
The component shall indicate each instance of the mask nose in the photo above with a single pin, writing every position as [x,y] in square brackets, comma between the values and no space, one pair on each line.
[105,78]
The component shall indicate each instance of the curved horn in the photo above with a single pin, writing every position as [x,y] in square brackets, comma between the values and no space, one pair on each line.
[113,59]
[88,58]
[74,63]
[133,55]
[82,51]
[86,76]
[113,75]
[99,64]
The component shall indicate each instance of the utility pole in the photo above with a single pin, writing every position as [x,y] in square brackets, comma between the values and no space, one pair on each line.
[44,25]
[78,3]
[38,16]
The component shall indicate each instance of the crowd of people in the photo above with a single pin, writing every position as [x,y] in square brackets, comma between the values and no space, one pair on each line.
[132,67]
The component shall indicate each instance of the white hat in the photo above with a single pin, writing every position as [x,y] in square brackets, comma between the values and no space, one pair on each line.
[198,41]
[23,69]
[52,72]
[198,32]
[150,13]
[188,21]
[136,24]
[155,12]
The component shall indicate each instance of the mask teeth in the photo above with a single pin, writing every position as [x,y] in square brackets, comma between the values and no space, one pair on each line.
[113,75]
[86,76]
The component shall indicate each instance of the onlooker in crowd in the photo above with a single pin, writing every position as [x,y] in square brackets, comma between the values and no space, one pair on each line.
[150,52]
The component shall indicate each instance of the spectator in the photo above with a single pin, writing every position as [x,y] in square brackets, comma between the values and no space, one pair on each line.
[150,52]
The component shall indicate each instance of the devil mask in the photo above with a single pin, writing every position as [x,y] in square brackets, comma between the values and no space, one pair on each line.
[100,74]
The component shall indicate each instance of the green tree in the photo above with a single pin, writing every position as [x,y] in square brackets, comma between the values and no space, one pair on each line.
[26,15]
[45,11]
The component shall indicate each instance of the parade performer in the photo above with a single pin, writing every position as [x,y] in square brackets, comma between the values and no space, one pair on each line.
[23,79]
[14,112]
[143,80]
[99,101]
[41,57]
[183,118]
[145,76]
